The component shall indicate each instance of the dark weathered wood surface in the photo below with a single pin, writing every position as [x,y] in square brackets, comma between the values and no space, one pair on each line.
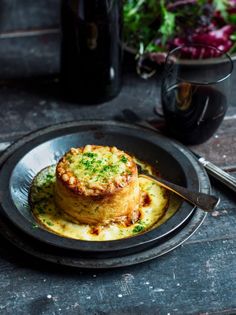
[22,16]
[197,278]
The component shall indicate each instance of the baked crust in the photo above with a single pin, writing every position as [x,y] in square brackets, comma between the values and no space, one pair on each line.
[97,185]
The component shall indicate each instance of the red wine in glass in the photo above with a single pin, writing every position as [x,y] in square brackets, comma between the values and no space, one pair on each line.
[193,112]
[195,93]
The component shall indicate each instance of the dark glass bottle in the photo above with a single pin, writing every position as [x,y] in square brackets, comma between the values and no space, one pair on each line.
[91,49]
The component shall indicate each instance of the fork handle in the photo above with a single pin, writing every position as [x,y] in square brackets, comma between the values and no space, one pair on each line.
[203,201]
[219,174]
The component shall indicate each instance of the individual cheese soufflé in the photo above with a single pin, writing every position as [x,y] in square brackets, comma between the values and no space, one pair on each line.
[97,185]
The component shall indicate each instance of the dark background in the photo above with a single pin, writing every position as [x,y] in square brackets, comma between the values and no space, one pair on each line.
[197,278]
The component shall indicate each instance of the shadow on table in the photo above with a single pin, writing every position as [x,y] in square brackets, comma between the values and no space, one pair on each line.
[129,116]
[20,259]
[43,84]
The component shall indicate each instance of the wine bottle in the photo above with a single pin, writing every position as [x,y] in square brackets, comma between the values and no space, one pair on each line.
[91,49]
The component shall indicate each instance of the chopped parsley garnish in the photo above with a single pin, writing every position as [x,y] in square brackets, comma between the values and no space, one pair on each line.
[138,228]
[49,176]
[110,169]
[40,210]
[49,223]
[124,159]
[90,154]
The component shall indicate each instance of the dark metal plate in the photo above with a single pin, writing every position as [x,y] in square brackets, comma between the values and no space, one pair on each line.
[80,260]
[21,162]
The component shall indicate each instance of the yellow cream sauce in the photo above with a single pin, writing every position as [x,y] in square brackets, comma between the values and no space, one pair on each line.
[157,205]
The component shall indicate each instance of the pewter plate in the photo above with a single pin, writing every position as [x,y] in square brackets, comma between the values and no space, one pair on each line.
[21,162]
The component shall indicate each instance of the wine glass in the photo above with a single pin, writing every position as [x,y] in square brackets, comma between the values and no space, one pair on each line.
[195,92]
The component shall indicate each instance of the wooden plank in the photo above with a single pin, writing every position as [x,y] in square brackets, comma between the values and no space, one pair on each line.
[221,148]
[195,278]
[30,33]
[28,14]
[218,224]
[29,57]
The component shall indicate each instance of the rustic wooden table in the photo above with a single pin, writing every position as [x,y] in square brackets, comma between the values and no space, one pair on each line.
[198,277]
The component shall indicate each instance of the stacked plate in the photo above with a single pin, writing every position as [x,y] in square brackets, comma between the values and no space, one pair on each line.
[24,159]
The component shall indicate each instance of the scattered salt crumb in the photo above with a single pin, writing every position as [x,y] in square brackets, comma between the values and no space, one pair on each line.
[120,295]
[215,213]
[59,309]
[49,296]
[218,145]
[216,136]
[150,287]
[94,276]
[224,156]
[159,290]
[88,297]
[178,284]
[44,280]
[147,282]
